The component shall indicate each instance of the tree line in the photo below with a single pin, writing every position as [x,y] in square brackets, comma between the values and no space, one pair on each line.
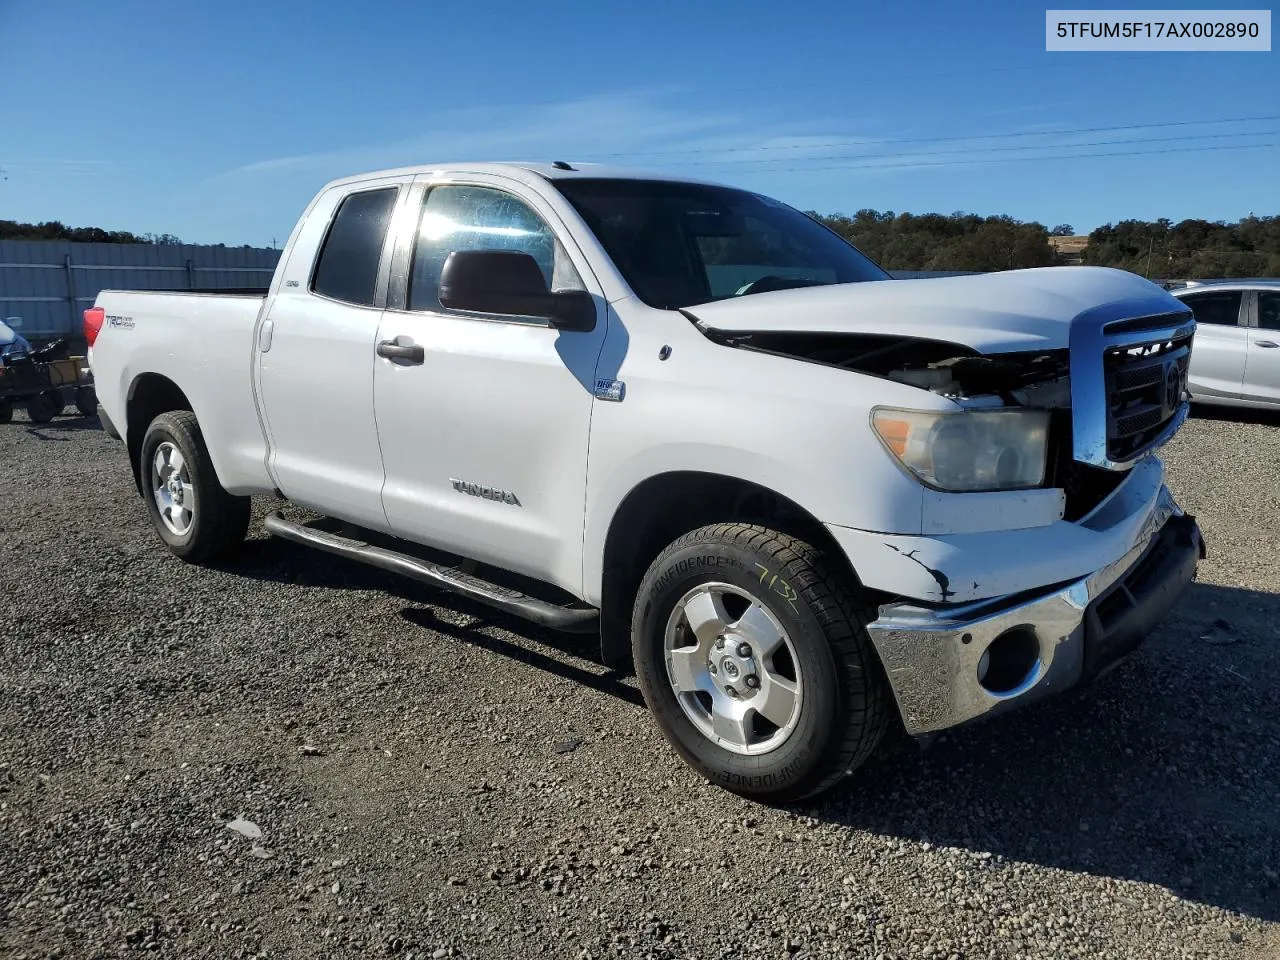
[965,241]
[1190,249]
[958,241]
[55,230]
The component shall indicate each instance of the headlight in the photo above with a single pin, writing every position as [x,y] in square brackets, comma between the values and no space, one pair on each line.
[969,449]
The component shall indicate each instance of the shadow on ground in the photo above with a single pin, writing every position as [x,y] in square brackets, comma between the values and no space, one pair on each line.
[1222,414]
[61,425]
[280,561]
[1165,771]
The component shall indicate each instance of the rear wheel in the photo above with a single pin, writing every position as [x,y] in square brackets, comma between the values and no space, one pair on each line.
[753,656]
[6,410]
[195,517]
[43,408]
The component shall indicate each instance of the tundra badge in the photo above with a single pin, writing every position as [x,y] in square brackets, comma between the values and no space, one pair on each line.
[487,493]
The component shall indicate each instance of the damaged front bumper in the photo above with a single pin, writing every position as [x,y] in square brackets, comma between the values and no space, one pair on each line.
[952,663]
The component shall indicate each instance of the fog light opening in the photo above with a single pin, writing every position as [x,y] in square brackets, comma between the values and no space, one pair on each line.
[1011,661]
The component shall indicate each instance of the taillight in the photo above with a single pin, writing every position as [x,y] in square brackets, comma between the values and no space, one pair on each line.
[94,318]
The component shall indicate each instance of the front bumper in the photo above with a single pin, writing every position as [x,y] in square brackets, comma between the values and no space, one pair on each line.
[1049,640]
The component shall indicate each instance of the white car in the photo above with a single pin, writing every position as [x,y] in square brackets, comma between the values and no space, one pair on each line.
[1236,361]
[801,499]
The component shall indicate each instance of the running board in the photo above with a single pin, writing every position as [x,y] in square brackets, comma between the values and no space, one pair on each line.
[569,619]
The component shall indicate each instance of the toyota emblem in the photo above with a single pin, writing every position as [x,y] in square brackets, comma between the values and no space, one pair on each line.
[1172,387]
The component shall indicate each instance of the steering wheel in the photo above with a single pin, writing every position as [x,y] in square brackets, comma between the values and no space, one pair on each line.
[772,282]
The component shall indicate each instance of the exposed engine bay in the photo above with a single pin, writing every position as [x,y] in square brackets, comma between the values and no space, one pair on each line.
[1037,379]
[1032,379]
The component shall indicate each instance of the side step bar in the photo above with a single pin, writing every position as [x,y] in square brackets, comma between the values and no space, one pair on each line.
[569,619]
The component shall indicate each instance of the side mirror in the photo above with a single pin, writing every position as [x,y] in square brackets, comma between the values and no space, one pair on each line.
[13,323]
[510,283]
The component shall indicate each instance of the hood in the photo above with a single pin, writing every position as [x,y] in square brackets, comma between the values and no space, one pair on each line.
[1006,312]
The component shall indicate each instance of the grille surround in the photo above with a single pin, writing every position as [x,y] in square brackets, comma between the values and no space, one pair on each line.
[1120,412]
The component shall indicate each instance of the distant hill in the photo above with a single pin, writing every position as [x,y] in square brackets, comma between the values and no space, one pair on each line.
[1069,250]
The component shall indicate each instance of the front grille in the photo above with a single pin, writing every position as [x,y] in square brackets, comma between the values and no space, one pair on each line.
[1145,384]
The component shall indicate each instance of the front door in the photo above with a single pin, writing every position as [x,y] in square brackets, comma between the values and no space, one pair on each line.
[316,350]
[484,434]
[1221,342]
[1262,368]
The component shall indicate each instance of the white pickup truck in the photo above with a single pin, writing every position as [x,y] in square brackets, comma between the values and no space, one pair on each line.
[802,499]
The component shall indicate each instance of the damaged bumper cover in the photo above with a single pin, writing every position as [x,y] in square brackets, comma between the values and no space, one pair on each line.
[950,664]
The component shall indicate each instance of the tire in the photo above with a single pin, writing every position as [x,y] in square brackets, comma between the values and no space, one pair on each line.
[767,583]
[42,408]
[55,398]
[6,410]
[201,522]
[87,401]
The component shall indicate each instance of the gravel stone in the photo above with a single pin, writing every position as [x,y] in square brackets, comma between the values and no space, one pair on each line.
[246,828]
[145,705]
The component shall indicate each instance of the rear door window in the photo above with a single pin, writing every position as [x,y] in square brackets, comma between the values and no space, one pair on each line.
[347,268]
[1269,310]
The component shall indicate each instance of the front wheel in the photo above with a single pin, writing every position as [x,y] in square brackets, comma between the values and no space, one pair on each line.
[195,517]
[753,656]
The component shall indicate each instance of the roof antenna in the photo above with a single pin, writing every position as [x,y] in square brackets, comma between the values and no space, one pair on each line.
[561,165]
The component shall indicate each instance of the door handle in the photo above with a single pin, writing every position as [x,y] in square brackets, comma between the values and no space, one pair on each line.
[395,351]
[1265,343]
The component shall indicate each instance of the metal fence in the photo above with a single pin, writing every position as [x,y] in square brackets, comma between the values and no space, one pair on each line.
[49,283]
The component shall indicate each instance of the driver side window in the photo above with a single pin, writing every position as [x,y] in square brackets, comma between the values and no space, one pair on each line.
[463,217]
[1222,308]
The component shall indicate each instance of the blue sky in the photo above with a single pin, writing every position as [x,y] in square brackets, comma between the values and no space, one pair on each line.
[218,121]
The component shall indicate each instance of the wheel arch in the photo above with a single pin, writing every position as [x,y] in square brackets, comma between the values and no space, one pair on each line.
[663,507]
[149,395]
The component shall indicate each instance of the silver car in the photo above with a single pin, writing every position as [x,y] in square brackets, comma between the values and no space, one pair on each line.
[1236,357]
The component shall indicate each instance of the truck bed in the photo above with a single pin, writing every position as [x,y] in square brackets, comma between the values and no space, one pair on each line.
[202,340]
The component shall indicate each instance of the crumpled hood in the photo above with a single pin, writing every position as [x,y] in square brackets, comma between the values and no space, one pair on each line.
[1003,312]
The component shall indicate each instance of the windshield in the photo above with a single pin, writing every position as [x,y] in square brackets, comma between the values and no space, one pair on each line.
[680,244]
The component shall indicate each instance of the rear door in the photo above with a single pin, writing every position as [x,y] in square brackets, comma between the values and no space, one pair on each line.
[316,351]
[484,432]
[1262,368]
[1221,343]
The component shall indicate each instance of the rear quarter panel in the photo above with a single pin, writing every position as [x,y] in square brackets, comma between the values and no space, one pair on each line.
[204,344]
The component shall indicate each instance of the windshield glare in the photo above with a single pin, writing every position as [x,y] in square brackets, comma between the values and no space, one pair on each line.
[680,244]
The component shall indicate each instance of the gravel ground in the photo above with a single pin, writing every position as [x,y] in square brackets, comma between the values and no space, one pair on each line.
[429,781]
